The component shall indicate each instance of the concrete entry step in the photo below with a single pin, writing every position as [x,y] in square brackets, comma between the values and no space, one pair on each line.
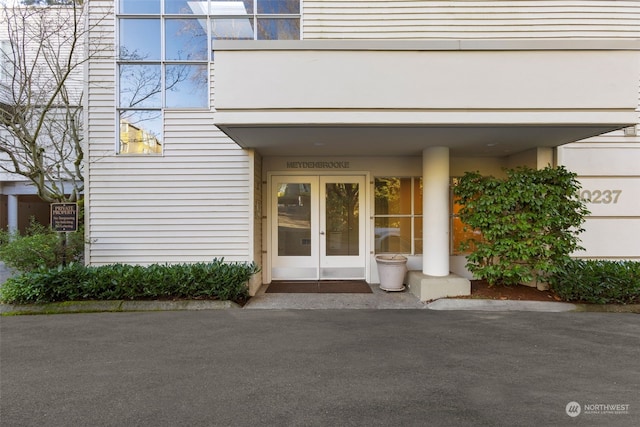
[377,299]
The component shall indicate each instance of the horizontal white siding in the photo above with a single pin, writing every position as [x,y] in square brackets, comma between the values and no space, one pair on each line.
[195,202]
[363,19]
[190,204]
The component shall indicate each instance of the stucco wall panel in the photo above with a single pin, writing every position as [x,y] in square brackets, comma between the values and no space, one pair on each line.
[601,160]
[612,196]
[611,238]
[426,79]
[610,179]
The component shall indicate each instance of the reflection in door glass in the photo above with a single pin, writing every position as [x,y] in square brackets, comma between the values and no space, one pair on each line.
[342,217]
[294,219]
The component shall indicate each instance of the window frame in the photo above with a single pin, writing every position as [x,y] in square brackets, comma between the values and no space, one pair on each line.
[412,216]
[163,17]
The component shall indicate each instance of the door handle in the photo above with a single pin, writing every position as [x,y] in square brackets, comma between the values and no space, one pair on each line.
[322,233]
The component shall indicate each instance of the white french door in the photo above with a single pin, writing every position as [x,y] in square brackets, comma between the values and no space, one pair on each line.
[317,227]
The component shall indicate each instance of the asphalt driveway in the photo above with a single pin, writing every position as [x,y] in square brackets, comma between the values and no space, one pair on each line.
[320,368]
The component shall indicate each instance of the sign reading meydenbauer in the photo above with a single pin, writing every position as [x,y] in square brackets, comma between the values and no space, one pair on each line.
[64,216]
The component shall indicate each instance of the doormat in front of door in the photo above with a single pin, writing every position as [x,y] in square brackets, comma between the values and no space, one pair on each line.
[319,287]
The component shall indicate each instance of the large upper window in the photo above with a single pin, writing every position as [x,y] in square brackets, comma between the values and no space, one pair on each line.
[398,215]
[164,49]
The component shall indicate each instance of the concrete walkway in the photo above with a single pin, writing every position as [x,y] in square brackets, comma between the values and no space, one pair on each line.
[379,299]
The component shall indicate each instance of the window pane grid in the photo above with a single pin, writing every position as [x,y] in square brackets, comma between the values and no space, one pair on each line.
[151,7]
[172,41]
[140,132]
[203,7]
[398,215]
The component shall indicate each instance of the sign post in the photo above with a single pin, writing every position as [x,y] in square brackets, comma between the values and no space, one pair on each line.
[64,219]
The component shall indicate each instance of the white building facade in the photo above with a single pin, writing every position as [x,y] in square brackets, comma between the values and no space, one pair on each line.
[311,136]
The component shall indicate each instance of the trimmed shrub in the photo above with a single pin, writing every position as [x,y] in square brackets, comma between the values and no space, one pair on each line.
[40,247]
[75,282]
[529,221]
[597,281]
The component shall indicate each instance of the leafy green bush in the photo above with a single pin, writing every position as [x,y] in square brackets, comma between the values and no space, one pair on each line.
[597,281]
[40,247]
[529,222]
[75,282]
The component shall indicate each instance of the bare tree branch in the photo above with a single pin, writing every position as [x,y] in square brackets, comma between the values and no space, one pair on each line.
[42,58]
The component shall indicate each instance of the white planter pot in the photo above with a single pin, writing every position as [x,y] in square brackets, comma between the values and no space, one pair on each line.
[391,270]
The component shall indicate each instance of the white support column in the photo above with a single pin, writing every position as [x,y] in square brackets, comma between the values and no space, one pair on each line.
[12,212]
[435,221]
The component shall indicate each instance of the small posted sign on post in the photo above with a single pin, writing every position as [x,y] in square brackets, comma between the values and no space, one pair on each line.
[64,217]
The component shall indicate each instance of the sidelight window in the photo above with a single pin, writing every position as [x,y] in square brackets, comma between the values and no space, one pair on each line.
[398,215]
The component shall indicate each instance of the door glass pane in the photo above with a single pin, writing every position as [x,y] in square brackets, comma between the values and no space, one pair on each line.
[294,219]
[342,219]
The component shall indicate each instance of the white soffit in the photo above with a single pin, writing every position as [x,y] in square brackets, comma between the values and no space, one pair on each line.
[491,98]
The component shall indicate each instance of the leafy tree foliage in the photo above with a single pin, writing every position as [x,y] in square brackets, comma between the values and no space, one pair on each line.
[530,222]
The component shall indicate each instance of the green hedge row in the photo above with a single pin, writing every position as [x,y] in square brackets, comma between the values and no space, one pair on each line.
[75,282]
[598,281]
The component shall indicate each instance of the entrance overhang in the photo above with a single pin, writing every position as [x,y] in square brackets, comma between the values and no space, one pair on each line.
[380,98]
